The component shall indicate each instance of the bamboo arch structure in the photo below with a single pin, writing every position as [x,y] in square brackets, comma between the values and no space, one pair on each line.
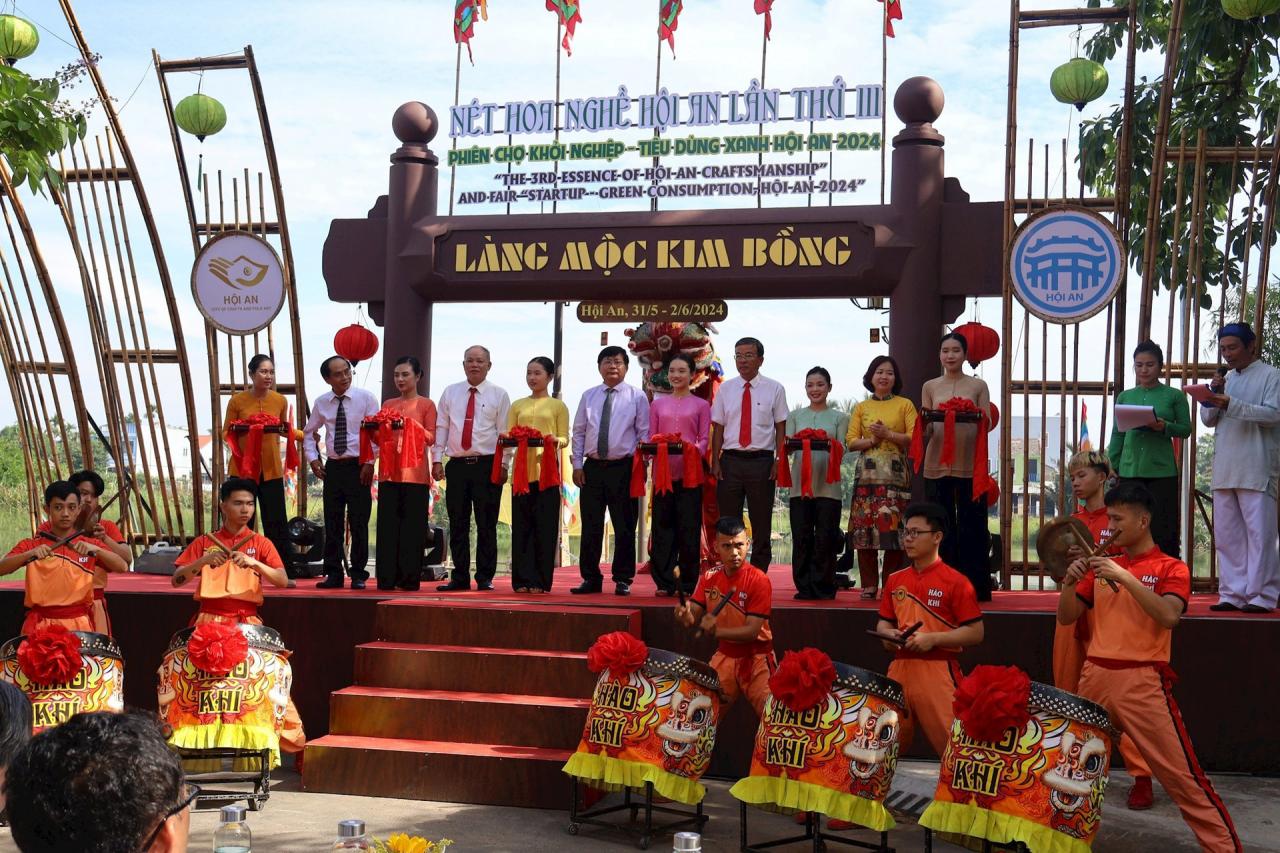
[267,223]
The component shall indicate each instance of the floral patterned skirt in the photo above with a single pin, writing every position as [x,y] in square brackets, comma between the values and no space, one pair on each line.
[881,491]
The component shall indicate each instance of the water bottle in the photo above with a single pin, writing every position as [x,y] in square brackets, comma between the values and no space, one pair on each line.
[351,836]
[686,842]
[232,835]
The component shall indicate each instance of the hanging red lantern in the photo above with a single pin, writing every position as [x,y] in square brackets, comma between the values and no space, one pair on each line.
[355,343]
[984,342]
[993,420]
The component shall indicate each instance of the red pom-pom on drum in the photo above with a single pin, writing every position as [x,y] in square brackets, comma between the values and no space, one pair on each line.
[50,655]
[217,648]
[803,679]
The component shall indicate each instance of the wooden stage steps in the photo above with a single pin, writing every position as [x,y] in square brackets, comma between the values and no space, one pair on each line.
[464,702]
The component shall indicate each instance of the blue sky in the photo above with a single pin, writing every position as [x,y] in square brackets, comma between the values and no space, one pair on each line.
[333,74]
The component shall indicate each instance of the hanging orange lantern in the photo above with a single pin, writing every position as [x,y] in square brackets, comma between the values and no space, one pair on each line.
[984,342]
[355,343]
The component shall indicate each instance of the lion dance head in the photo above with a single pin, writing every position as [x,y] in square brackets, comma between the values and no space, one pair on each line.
[654,344]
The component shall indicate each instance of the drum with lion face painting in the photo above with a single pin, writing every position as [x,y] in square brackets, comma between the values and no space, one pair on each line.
[657,724]
[97,686]
[836,758]
[1040,785]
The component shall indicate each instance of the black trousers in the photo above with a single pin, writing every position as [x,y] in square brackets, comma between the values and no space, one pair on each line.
[608,486]
[1165,521]
[470,492]
[750,478]
[967,542]
[275,526]
[347,500]
[402,534]
[535,533]
[815,530]
[677,537]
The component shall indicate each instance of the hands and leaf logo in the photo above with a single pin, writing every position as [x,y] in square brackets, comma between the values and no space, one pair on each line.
[241,272]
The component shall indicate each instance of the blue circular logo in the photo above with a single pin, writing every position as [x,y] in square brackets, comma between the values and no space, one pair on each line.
[1066,264]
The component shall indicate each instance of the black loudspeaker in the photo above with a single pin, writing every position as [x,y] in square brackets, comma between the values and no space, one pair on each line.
[156,560]
[306,538]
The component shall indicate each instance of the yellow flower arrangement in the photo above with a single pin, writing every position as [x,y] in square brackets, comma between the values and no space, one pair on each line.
[402,843]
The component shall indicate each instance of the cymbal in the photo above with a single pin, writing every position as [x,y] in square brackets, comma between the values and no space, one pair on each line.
[1056,538]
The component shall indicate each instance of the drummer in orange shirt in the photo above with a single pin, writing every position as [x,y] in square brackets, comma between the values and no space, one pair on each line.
[59,581]
[91,487]
[942,600]
[732,603]
[1089,471]
[230,589]
[1127,669]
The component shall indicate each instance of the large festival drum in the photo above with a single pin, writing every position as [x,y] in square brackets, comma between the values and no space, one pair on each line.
[655,723]
[1041,784]
[226,686]
[836,757]
[45,670]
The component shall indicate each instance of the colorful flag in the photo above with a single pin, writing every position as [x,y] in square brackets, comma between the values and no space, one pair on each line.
[668,20]
[464,21]
[765,7]
[1085,443]
[570,12]
[893,12]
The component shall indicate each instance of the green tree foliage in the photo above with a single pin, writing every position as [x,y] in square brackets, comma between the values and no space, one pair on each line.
[1270,337]
[1225,83]
[34,126]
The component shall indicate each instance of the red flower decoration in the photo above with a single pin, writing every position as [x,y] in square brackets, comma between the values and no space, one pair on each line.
[619,652]
[50,655]
[216,648]
[992,700]
[802,679]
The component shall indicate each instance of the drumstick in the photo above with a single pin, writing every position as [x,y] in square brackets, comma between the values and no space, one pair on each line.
[224,549]
[1104,544]
[720,605]
[675,571]
[82,518]
[901,639]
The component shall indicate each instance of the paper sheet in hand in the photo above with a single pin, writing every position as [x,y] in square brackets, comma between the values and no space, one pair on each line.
[1131,417]
[1199,393]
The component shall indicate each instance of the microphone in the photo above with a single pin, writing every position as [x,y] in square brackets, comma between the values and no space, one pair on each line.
[1216,385]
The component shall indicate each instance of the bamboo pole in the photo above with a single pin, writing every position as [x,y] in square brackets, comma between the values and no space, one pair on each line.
[1007,302]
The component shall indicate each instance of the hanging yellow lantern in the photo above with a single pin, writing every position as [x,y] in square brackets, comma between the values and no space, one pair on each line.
[1079,82]
[18,38]
[1244,10]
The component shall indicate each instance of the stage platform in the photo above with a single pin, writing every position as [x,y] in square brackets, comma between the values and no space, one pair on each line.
[1227,663]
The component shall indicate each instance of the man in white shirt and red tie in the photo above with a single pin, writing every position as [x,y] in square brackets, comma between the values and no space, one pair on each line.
[469,418]
[346,482]
[612,418]
[748,422]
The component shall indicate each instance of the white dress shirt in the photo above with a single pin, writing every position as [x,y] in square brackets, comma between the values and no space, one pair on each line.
[490,419]
[768,408]
[358,404]
[628,422]
[1246,453]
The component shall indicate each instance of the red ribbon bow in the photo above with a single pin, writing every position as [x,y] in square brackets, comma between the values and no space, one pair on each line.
[662,482]
[806,437]
[248,453]
[395,451]
[984,486]
[50,655]
[549,465]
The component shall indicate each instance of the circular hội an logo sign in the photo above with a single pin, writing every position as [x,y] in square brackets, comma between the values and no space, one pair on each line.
[1066,264]
[238,282]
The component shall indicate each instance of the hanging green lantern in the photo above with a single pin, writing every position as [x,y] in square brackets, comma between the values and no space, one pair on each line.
[200,116]
[1244,10]
[18,38]
[1079,81]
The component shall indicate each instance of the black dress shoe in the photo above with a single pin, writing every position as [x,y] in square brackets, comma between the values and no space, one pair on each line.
[407,588]
[357,584]
[586,589]
[622,589]
[453,587]
[804,596]
[328,584]
[484,587]
[1223,607]
[1255,608]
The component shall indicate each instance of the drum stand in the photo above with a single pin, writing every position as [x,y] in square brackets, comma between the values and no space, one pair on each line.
[812,832]
[694,820]
[223,765]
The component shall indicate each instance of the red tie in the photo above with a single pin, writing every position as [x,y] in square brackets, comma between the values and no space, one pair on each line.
[744,428]
[468,420]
